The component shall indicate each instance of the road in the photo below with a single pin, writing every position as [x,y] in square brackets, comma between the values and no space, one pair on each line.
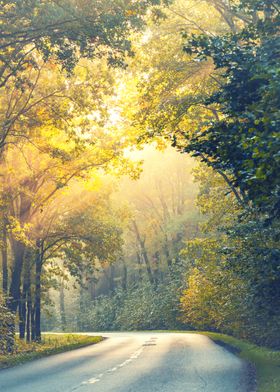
[133,362]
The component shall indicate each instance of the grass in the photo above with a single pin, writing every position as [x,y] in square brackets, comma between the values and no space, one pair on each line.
[266,361]
[51,344]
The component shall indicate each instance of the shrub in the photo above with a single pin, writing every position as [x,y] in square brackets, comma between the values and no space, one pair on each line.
[7,320]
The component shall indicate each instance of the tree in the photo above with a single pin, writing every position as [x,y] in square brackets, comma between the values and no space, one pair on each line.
[35,35]
[166,85]
[64,141]
[163,212]
[244,141]
[6,335]
[233,285]
[66,31]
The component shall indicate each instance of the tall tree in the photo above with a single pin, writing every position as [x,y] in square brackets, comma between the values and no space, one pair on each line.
[244,141]
[66,31]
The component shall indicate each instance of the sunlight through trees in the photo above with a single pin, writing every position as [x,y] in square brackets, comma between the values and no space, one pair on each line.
[139,167]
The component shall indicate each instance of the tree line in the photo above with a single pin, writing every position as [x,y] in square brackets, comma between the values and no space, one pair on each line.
[214,94]
[56,70]
[80,85]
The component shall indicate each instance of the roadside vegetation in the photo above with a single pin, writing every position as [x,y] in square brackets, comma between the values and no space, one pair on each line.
[50,344]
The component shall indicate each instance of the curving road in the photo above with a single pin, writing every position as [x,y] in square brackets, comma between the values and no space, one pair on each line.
[133,362]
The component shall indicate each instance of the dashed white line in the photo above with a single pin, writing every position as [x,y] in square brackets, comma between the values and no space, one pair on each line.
[98,378]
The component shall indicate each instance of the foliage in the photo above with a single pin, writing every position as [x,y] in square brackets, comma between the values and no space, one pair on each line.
[244,141]
[140,307]
[6,333]
[66,31]
[167,86]
[107,291]
[56,135]
[89,234]
[149,308]
[234,281]
[234,284]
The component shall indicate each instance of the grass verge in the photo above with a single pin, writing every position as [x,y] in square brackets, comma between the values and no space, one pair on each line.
[266,361]
[51,344]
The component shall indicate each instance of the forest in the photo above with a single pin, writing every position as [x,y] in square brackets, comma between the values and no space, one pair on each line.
[139,167]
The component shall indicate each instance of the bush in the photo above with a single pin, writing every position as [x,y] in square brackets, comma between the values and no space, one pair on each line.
[7,320]
[140,307]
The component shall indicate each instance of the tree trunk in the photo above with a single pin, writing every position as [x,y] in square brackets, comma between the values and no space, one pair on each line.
[62,306]
[112,278]
[80,323]
[33,332]
[166,213]
[28,316]
[22,316]
[14,293]
[148,265]
[156,260]
[38,272]
[25,303]
[12,301]
[139,266]
[27,292]
[144,252]
[92,288]
[167,253]
[4,252]
[124,277]
[18,250]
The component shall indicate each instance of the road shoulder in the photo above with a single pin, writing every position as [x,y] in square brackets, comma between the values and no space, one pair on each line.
[51,344]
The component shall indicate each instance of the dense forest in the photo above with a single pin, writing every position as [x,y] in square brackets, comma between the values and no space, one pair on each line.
[139,167]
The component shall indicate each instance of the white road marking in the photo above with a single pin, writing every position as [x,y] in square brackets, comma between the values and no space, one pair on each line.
[113,369]
[96,379]
[136,354]
[92,381]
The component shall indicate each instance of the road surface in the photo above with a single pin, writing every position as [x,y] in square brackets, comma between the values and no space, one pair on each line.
[133,362]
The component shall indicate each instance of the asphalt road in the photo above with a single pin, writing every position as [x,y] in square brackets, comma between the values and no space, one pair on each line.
[133,362]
